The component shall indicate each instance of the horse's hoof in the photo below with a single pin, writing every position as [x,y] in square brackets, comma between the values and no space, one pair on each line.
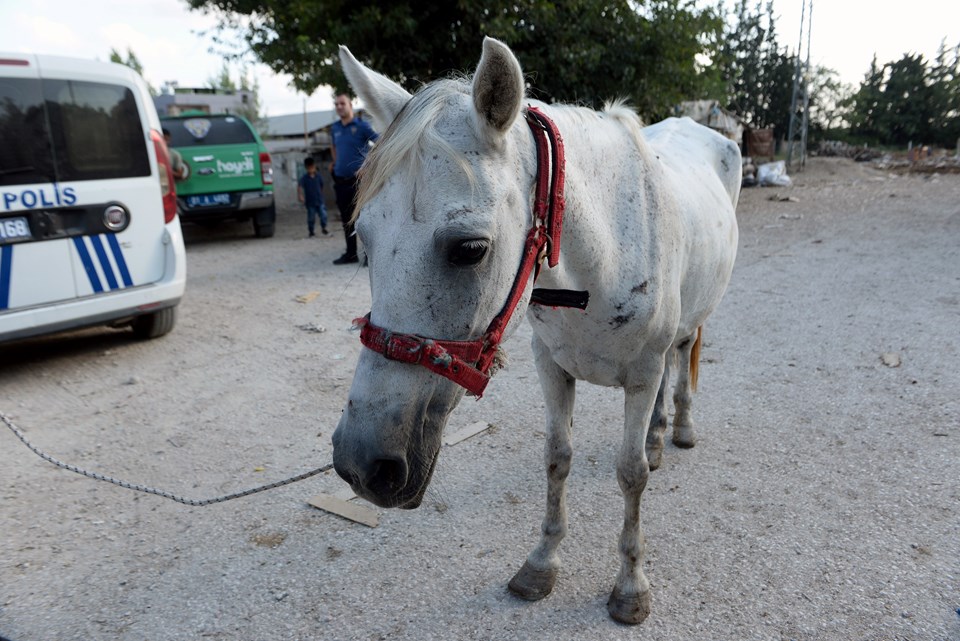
[684,437]
[533,584]
[631,609]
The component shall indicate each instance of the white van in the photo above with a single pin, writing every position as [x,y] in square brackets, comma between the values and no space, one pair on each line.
[89,232]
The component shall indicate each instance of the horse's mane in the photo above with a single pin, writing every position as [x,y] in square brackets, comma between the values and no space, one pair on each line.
[405,139]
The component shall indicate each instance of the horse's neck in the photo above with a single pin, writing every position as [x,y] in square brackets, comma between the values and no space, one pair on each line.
[607,156]
[611,186]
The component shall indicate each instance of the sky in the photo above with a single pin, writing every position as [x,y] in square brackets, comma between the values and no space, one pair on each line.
[847,33]
[169,39]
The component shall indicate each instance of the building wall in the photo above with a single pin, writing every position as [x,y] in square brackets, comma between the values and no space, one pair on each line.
[207,101]
[287,169]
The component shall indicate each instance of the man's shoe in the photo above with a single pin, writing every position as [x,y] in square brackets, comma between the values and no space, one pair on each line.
[324,232]
[312,234]
[346,260]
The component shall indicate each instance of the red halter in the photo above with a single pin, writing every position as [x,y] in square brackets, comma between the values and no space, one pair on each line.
[467,363]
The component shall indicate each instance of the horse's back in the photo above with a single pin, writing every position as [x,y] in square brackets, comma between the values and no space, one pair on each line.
[703,170]
[684,146]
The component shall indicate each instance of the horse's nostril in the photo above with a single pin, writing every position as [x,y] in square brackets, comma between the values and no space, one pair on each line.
[387,476]
[347,474]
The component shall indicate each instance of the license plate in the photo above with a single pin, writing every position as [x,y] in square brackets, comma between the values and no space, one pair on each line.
[208,200]
[14,229]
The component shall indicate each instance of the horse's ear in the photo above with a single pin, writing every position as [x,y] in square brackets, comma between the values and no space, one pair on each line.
[497,86]
[382,97]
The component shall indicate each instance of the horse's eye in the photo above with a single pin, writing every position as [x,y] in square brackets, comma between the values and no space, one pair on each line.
[468,252]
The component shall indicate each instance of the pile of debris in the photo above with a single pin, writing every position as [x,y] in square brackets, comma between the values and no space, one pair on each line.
[846,150]
[920,160]
[910,163]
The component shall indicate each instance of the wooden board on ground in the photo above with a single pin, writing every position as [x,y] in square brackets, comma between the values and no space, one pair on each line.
[351,511]
[465,432]
[345,493]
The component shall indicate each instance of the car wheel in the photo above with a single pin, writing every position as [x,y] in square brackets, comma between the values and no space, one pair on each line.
[263,231]
[156,324]
[264,222]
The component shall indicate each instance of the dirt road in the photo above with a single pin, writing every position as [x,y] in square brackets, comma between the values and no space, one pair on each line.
[821,502]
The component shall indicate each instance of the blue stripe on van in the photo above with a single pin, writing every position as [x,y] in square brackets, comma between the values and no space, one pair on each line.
[104,262]
[88,264]
[6,263]
[121,262]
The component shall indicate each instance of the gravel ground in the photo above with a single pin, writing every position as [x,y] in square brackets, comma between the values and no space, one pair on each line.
[821,502]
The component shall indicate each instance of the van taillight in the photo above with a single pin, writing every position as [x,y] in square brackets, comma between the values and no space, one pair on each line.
[168,187]
[266,168]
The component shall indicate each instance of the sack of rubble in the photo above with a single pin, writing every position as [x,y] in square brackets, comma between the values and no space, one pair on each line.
[773,174]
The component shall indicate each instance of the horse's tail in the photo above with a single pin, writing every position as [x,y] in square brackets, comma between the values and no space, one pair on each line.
[695,359]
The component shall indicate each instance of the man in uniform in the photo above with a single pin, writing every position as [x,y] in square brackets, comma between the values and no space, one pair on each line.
[351,139]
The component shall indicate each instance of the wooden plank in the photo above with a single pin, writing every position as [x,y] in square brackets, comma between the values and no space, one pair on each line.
[345,493]
[352,511]
[340,502]
[306,298]
[466,432]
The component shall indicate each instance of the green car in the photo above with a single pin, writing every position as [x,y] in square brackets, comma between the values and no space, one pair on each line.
[229,174]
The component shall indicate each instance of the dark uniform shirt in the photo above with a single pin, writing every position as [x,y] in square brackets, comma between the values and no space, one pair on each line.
[351,141]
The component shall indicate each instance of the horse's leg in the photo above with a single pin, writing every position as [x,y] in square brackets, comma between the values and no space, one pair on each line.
[683,435]
[630,600]
[658,422]
[538,575]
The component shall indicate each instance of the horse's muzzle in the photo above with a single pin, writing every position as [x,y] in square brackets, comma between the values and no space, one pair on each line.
[386,480]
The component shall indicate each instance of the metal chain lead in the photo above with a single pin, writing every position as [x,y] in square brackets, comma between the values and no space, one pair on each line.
[149,490]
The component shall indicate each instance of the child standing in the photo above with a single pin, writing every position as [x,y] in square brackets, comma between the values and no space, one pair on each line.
[310,193]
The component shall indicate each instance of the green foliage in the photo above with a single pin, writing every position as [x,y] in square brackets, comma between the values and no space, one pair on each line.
[585,51]
[133,62]
[909,100]
[829,100]
[653,53]
[252,111]
[758,73]
[224,81]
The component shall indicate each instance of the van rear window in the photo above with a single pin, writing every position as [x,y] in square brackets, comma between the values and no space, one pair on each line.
[64,130]
[208,130]
[25,156]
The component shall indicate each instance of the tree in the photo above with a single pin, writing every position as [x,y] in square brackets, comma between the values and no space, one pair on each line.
[252,111]
[866,105]
[224,81]
[907,114]
[758,73]
[133,62]
[909,101]
[944,79]
[828,100]
[583,51]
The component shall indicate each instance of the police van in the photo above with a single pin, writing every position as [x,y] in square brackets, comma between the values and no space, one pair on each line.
[89,232]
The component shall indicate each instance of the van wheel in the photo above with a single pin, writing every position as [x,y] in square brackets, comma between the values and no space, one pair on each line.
[156,324]
[264,230]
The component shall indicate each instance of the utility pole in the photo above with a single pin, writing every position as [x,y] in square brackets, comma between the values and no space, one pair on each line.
[799,124]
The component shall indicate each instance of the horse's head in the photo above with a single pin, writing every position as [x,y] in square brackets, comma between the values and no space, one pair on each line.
[443,212]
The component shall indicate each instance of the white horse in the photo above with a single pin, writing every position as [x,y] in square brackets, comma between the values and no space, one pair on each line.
[446,213]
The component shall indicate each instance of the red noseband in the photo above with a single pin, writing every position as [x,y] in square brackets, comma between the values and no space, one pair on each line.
[467,363]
